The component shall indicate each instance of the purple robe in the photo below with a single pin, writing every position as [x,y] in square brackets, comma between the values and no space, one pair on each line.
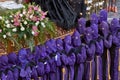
[115,50]
[34,74]
[89,72]
[4,62]
[81,25]
[103,15]
[98,59]
[94,19]
[10,75]
[3,76]
[104,28]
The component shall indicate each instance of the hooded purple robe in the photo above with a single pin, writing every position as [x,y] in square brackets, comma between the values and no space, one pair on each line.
[89,73]
[105,32]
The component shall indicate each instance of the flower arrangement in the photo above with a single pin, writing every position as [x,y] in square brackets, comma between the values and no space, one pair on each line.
[26,26]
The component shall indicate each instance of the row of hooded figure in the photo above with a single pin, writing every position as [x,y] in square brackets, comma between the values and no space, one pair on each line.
[90,53]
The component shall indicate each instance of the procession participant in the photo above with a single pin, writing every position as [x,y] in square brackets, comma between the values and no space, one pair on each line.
[115,50]
[107,39]
[80,52]
[89,73]
[70,56]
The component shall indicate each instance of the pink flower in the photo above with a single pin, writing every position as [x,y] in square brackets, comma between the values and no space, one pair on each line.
[0,30]
[35,30]
[43,13]
[16,23]
[43,17]
[36,8]
[34,18]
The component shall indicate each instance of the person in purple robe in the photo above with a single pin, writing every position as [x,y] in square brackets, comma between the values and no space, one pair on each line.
[70,56]
[81,25]
[51,52]
[103,14]
[22,57]
[34,74]
[93,18]
[10,75]
[89,72]
[98,59]
[13,62]
[107,39]
[80,52]
[115,50]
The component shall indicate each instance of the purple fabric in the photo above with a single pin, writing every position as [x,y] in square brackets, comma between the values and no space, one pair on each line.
[76,40]
[81,25]
[89,73]
[104,28]
[116,39]
[4,62]
[67,40]
[29,71]
[94,18]
[10,75]
[52,69]
[59,44]
[23,73]
[34,73]
[103,15]
[115,63]
[64,70]
[22,56]
[47,67]
[3,76]
[12,58]
[42,50]
[88,35]
[99,73]
[40,69]
[16,74]
[114,26]
[47,45]
[71,62]
[53,45]
[94,28]
[99,47]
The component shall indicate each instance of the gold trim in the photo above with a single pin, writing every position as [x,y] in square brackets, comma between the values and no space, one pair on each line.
[63,73]
[97,67]
[108,60]
[90,70]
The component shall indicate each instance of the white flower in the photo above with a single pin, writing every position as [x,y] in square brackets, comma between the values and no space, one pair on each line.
[7,22]
[14,29]
[8,25]
[9,34]
[25,36]
[4,36]
[31,16]
[22,28]
[25,22]
[0,17]
[24,12]
[12,21]
[10,16]
[43,24]
[33,32]
[37,23]
[21,15]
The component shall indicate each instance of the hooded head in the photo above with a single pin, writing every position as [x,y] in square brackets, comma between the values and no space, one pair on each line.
[12,58]
[22,56]
[103,15]
[88,35]
[94,28]
[94,18]
[114,26]
[59,44]
[81,25]
[76,40]
[104,28]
